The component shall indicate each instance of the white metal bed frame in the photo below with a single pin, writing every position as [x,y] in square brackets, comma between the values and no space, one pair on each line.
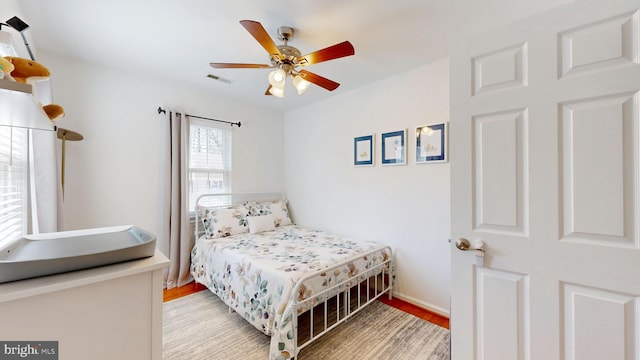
[382,275]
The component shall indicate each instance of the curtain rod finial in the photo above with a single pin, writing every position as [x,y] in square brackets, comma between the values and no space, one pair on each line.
[161,110]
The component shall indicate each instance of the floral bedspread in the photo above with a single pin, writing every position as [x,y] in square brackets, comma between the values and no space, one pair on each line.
[255,274]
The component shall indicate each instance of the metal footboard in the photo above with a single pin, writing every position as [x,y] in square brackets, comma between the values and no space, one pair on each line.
[339,302]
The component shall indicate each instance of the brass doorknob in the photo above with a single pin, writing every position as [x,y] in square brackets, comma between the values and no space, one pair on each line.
[463,244]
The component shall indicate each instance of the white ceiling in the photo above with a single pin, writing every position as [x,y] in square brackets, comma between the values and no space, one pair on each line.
[176,40]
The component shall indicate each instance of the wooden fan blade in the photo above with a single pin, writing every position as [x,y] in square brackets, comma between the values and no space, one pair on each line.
[332,52]
[238,66]
[267,92]
[319,80]
[259,33]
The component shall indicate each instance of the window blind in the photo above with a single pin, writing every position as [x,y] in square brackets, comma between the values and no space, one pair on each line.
[13,183]
[209,160]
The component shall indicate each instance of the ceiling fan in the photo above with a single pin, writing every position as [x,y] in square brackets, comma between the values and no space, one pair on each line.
[288,61]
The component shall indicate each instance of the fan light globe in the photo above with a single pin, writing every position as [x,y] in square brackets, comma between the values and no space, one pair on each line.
[301,84]
[277,91]
[276,78]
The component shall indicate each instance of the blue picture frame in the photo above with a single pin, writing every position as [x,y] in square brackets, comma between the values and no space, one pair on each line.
[394,147]
[431,143]
[363,150]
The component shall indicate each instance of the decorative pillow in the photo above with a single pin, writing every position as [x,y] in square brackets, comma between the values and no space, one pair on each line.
[258,224]
[277,208]
[223,222]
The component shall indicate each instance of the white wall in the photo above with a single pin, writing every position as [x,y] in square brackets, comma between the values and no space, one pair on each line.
[406,206]
[113,176]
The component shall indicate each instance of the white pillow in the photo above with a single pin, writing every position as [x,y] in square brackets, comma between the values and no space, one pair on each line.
[258,224]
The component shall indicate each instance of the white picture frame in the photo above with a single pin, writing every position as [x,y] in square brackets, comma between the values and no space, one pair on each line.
[431,143]
[394,147]
[363,150]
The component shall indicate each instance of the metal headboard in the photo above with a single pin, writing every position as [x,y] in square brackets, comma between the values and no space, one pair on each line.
[226,200]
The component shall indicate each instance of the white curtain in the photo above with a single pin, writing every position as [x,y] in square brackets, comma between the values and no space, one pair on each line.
[175,235]
[45,183]
[45,187]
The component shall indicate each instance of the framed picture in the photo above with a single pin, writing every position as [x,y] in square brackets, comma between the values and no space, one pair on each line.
[431,143]
[363,147]
[394,148]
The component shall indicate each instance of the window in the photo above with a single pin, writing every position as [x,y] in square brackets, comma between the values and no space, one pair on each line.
[13,183]
[209,160]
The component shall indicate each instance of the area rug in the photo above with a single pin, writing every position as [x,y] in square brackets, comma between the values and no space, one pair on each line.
[200,326]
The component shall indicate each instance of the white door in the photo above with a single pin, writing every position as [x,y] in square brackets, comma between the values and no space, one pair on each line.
[545,168]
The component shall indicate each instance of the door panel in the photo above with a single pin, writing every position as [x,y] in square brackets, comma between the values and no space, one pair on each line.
[598,152]
[500,69]
[500,201]
[545,170]
[599,324]
[503,315]
[602,44]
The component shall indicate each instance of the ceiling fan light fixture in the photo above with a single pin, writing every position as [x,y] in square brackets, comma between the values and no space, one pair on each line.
[276,78]
[285,60]
[301,84]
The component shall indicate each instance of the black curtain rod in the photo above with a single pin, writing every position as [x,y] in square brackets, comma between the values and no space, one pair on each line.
[238,124]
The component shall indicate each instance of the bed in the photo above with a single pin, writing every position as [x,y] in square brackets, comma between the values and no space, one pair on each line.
[292,283]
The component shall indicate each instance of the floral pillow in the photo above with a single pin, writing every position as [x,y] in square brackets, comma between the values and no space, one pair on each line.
[223,222]
[278,209]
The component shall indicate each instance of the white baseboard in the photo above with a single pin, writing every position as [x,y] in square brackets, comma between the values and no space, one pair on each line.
[435,309]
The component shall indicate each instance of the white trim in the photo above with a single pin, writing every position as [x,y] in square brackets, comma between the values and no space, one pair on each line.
[425,305]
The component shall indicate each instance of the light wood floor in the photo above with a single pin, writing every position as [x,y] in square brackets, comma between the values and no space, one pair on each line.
[395,302]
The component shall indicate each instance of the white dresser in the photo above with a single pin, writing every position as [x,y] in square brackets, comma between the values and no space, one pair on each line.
[110,312]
